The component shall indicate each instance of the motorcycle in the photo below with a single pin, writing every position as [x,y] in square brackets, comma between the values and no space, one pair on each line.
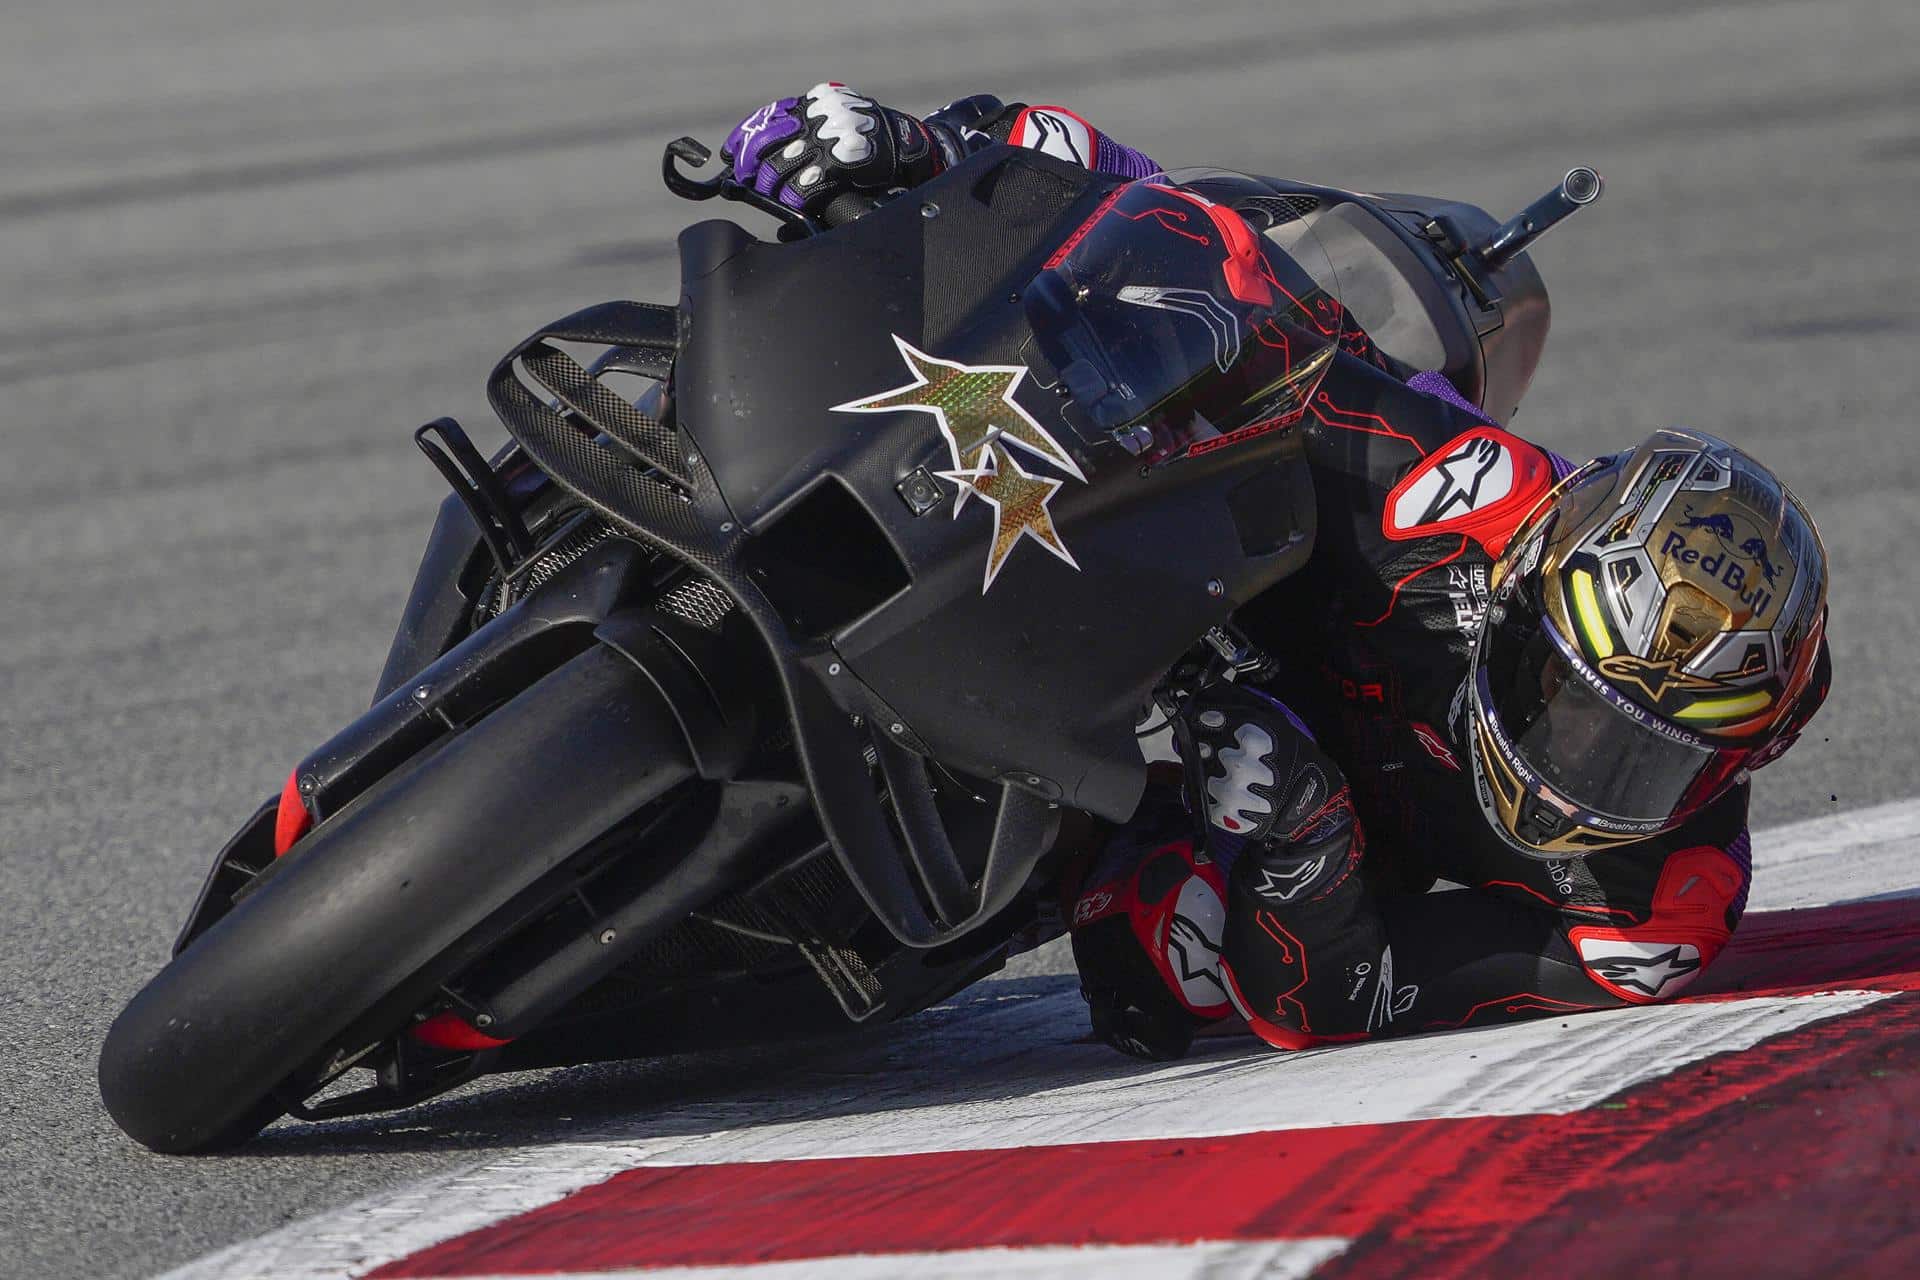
[700,727]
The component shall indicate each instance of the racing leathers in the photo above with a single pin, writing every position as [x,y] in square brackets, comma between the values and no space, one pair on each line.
[1320,908]
[1343,790]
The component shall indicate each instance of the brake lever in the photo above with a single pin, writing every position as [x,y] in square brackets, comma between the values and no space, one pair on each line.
[793,224]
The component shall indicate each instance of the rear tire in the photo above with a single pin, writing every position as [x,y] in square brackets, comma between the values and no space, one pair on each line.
[385,901]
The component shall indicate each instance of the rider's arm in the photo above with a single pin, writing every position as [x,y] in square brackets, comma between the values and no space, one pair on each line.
[831,142]
[1053,130]
[1313,954]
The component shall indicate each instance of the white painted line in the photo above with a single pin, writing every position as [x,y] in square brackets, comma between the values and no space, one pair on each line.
[1206,1260]
[1009,1073]
[1844,857]
[998,1070]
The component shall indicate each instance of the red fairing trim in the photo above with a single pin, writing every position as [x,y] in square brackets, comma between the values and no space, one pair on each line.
[1465,466]
[448,1030]
[1068,245]
[293,820]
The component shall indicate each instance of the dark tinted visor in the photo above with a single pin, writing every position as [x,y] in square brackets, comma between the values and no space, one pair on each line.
[1580,738]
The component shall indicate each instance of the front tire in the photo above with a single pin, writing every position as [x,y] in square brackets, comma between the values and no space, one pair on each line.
[385,901]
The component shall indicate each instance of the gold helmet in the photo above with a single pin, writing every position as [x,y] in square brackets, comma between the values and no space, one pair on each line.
[1656,628]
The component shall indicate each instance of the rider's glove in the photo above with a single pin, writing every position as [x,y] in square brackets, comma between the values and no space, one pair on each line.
[809,151]
[1153,1031]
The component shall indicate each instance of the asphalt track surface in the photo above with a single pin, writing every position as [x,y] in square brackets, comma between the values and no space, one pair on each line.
[245,248]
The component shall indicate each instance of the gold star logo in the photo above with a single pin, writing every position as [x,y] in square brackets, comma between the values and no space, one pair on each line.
[973,406]
[1019,500]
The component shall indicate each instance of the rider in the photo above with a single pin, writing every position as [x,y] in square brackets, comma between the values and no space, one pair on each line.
[1544,683]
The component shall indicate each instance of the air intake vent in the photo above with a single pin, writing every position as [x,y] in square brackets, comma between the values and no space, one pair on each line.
[697,601]
[824,561]
[1271,211]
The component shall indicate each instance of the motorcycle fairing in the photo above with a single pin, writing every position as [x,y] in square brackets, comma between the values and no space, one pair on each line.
[1034,685]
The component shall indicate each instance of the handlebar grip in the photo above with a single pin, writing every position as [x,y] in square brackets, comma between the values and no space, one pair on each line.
[845,207]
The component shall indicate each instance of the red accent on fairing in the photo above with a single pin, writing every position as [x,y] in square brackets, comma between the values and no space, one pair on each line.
[448,1030]
[1690,903]
[1068,245]
[1393,600]
[292,821]
[1492,525]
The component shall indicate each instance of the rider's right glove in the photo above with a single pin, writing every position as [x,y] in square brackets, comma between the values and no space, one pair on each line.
[830,142]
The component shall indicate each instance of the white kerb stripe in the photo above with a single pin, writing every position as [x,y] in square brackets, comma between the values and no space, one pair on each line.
[998,1070]
[1208,1260]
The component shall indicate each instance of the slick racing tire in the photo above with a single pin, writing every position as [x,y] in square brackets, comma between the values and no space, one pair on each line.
[383,902]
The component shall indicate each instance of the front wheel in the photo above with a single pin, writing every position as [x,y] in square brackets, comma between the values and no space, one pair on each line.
[383,902]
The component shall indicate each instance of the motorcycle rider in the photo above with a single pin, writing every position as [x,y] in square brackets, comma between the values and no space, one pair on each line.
[1544,683]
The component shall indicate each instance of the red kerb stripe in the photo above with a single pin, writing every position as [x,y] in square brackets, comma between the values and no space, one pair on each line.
[1795,1157]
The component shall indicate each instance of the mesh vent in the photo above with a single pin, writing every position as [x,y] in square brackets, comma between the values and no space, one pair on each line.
[698,601]
[581,537]
[1274,210]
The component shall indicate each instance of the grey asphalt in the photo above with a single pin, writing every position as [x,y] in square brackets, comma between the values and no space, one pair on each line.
[246,247]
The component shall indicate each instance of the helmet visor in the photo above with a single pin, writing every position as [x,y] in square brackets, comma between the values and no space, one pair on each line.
[1560,727]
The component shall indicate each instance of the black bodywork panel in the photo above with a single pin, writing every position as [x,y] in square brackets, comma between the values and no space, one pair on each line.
[1034,684]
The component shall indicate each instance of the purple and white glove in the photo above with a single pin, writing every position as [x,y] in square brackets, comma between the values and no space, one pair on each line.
[809,151]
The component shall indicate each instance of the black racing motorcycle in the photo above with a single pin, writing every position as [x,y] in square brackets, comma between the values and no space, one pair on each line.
[704,723]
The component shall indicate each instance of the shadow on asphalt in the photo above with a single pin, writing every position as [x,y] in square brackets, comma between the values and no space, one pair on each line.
[743,1087]
[1873,943]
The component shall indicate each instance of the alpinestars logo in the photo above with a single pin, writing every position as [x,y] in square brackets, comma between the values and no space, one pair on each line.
[1656,678]
[1194,956]
[983,426]
[1193,947]
[1476,474]
[1052,131]
[1284,886]
[1649,968]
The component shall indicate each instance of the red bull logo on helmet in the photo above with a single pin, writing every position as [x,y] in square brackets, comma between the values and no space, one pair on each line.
[1727,568]
[1740,560]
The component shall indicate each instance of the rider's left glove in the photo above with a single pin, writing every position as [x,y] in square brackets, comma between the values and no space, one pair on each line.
[809,151]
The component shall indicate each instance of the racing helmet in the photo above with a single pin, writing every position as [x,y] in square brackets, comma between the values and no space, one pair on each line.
[1656,628]
[1171,327]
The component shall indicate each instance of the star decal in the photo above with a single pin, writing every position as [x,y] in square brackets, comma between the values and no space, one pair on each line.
[1019,500]
[973,404]
[983,425]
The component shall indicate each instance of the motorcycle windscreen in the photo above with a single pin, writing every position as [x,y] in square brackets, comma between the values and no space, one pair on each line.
[1174,328]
